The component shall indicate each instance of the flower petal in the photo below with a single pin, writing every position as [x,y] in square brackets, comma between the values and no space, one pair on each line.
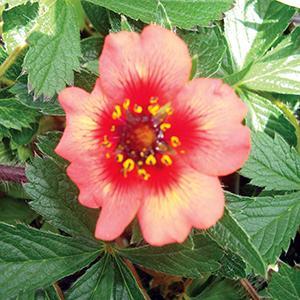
[155,63]
[197,201]
[218,144]
[80,136]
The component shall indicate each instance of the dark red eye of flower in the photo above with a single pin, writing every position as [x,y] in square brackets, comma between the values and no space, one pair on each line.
[148,142]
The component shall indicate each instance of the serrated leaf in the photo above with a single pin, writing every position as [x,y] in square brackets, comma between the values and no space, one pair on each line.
[13,211]
[18,22]
[15,115]
[55,198]
[279,70]
[271,222]
[107,279]
[251,28]
[230,235]
[264,116]
[49,107]
[27,252]
[203,257]
[54,49]
[285,284]
[182,13]
[207,44]
[272,164]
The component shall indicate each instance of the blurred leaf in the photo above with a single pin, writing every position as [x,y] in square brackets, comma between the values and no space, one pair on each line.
[24,136]
[13,211]
[14,71]
[13,3]
[182,13]
[47,294]
[54,49]
[295,3]
[179,259]
[55,198]
[279,70]
[285,284]
[272,164]
[34,258]
[264,116]
[230,235]
[108,279]
[85,80]
[207,44]
[18,22]
[162,17]
[15,115]
[271,222]
[251,28]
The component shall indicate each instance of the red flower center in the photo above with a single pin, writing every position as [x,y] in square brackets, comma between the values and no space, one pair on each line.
[137,139]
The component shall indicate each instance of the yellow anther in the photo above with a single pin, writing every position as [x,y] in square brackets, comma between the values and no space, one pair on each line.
[150,160]
[126,104]
[175,142]
[144,174]
[113,128]
[153,100]
[166,160]
[107,155]
[128,165]
[117,113]
[165,126]
[140,163]
[137,108]
[119,157]
[169,110]
[142,154]
[153,109]
[106,142]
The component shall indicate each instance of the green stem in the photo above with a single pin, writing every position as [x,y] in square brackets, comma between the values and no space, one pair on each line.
[7,81]
[290,116]
[11,59]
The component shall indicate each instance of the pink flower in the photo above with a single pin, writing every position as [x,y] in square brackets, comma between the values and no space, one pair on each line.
[148,142]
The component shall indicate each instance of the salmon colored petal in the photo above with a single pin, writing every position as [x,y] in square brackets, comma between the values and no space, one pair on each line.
[197,201]
[156,63]
[82,113]
[219,143]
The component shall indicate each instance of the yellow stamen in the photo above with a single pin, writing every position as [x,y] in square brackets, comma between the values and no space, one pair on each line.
[144,174]
[117,113]
[113,128]
[153,109]
[119,157]
[175,142]
[137,108]
[126,104]
[166,160]
[128,165]
[140,163]
[169,110]
[106,142]
[107,155]
[153,100]
[165,126]
[150,160]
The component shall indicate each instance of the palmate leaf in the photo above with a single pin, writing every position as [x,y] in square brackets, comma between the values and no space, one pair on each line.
[31,259]
[182,13]
[271,222]
[54,49]
[285,284]
[272,164]
[279,70]
[107,279]
[251,28]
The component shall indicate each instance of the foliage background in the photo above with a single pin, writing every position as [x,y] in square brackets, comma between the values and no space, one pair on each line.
[47,248]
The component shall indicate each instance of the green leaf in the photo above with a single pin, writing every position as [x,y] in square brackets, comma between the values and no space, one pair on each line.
[25,136]
[207,44]
[272,164]
[230,235]
[182,13]
[271,222]
[251,28]
[13,3]
[55,49]
[18,22]
[13,211]
[162,17]
[47,294]
[49,107]
[179,259]
[285,284]
[264,116]
[55,198]
[31,259]
[108,279]
[285,77]
[15,115]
